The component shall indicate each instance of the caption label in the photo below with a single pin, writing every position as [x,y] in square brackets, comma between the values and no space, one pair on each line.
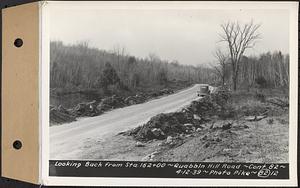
[169,169]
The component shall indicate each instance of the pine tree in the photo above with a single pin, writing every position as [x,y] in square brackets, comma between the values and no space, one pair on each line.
[109,76]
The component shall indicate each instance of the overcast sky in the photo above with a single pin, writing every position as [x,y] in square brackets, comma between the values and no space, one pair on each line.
[189,36]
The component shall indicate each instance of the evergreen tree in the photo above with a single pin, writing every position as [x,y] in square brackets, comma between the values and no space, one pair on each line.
[109,76]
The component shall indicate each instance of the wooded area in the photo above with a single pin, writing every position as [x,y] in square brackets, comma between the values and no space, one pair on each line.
[268,70]
[238,38]
[81,69]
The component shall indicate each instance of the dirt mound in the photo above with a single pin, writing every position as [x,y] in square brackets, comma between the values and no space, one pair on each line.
[60,115]
[166,91]
[170,124]
[115,101]
[110,103]
[160,92]
[137,99]
[85,109]
[221,97]
[203,107]
[166,124]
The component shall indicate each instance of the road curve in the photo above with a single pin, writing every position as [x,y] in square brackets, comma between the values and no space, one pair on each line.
[67,140]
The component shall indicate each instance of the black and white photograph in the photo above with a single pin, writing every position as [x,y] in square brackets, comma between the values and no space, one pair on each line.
[169,84]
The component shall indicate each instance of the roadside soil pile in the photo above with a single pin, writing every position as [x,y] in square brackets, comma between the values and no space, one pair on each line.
[225,126]
[185,121]
[60,115]
[261,141]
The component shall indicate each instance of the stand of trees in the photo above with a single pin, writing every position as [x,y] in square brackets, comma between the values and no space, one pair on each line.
[80,67]
[267,70]
[238,39]
[271,67]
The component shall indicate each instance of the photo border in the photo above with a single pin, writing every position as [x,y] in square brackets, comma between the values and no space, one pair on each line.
[44,98]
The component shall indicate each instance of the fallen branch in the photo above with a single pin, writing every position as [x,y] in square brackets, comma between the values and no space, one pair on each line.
[255,118]
[278,102]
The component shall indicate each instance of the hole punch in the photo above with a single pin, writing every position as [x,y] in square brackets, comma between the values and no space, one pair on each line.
[18,43]
[17,144]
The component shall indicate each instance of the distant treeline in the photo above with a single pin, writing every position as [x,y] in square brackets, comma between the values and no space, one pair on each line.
[269,70]
[80,67]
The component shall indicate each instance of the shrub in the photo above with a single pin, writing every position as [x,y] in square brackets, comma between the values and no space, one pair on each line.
[221,98]
[270,121]
[282,121]
[261,97]
[261,81]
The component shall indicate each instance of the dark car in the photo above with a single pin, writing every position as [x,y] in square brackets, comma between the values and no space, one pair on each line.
[204,89]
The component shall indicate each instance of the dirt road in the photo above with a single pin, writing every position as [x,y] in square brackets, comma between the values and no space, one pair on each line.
[67,141]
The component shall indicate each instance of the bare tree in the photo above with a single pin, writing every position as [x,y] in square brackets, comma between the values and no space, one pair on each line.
[239,38]
[221,66]
[154,57]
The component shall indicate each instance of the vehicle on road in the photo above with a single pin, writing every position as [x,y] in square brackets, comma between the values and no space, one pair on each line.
[204,90]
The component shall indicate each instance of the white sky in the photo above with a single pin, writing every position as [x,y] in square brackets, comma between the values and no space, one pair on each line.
[187,35]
